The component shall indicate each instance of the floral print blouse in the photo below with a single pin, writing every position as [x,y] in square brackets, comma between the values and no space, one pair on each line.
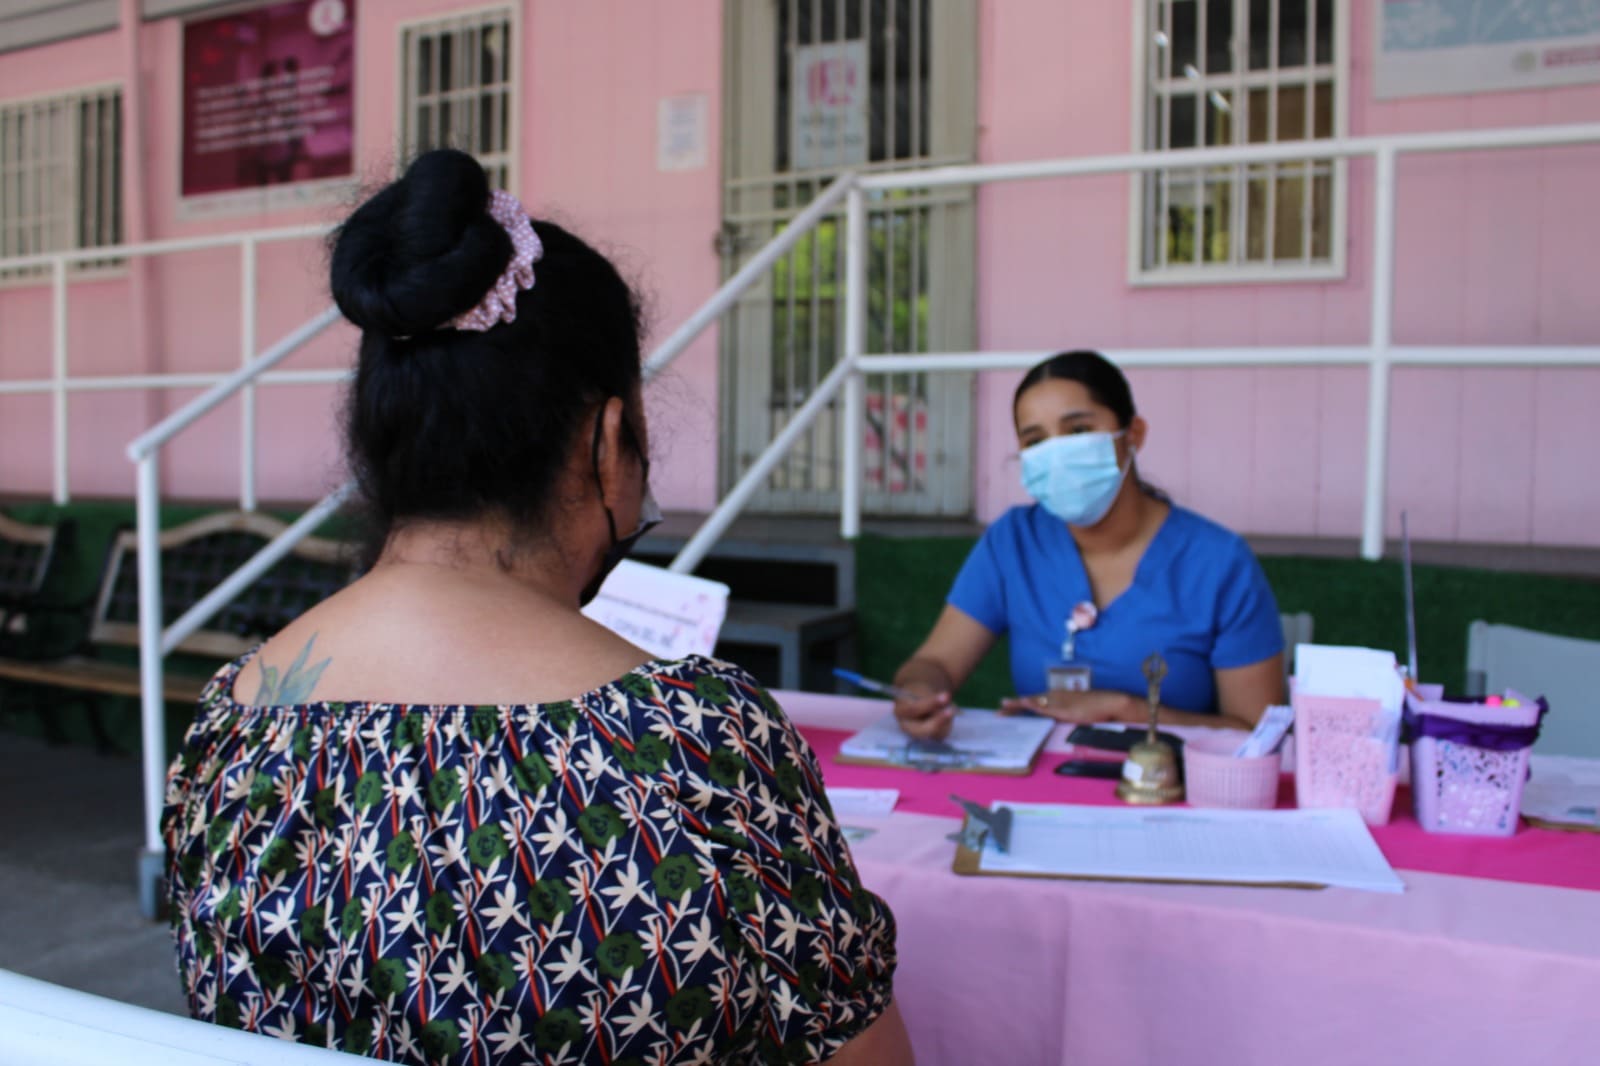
[649,873]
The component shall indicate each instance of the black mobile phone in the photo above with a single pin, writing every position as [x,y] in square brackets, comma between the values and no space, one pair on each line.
[1109,769]
[1093,736]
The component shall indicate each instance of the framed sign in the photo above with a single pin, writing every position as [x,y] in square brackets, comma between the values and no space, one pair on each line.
[268,99]
[1430,47]
[828,96]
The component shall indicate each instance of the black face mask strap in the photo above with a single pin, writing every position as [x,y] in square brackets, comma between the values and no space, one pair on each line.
[594,463]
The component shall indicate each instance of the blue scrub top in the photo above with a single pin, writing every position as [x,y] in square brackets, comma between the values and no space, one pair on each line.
[1198,597]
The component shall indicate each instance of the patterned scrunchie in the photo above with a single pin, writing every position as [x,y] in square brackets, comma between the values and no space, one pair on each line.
[499,304]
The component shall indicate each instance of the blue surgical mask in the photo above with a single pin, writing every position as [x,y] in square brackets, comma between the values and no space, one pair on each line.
[1074,477]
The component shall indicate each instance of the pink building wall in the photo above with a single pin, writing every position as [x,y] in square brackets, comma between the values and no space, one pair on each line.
[1491,249]
[591,75]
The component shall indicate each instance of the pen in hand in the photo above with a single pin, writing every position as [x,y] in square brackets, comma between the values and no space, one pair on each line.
[867,684]
[883,688]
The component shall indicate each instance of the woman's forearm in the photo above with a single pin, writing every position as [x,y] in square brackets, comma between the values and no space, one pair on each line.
[1168,716]
[926,673]
[1137,711]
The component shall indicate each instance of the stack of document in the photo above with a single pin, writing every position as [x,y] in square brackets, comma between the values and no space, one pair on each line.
[1316,847]
[1563,792]
[1349,673]
[1356,673]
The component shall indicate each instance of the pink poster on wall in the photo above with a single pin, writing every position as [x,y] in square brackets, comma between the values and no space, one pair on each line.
[269,96]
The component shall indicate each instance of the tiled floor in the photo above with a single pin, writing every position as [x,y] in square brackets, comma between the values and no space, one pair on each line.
[69,833]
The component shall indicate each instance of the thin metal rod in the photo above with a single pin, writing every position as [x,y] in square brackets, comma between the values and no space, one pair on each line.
[1373,501]
[1495,355]
[165,247]
[1154,357]
[1332,355]
[118,383]
[1292,151]
[717,521]
[1409,355]
[58,371]
[852,425]
[253,568]
[247,352]
[173,424]
[152,707]
[747,275]
[1411,598]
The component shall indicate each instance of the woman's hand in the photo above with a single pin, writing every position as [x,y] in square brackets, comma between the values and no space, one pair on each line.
[924,713]
[1078,708]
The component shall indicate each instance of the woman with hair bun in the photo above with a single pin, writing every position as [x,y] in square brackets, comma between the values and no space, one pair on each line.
[444,817]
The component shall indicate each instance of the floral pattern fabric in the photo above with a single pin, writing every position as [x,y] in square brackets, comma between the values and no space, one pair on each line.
[647,874]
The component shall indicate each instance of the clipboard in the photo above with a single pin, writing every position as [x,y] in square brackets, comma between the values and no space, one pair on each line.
[967,863]
[937,767]
[1561,827]
[979,743]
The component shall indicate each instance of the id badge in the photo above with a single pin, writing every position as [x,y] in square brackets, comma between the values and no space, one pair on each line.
[1069,677]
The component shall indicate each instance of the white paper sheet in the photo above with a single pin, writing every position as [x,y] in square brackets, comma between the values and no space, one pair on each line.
[1563,789]
[862,802]
[668,615]
[1317,847]
[980,740]
[1354,673]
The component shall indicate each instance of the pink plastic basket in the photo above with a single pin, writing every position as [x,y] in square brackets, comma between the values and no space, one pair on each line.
[1215,777]
[1459,788]
[1337,761]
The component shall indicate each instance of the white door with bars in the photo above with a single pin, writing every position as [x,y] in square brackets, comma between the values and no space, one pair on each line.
[816,88]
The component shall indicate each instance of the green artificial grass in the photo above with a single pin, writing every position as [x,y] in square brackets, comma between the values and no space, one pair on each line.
[902,581]
[901,584]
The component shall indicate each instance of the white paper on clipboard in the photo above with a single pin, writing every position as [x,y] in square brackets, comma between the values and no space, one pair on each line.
[668,615]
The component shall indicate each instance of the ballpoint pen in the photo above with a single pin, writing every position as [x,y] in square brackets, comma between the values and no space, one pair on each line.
[867,684]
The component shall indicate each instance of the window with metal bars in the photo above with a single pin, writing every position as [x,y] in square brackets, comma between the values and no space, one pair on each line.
[60,177]
[457,90]
[1240,72]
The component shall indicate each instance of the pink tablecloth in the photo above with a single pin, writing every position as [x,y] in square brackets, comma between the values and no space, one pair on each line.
[1458,970]
[1533,856]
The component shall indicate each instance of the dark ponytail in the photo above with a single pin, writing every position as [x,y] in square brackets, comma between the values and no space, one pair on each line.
[450,424]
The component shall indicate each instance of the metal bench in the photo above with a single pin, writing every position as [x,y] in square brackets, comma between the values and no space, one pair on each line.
[195,557]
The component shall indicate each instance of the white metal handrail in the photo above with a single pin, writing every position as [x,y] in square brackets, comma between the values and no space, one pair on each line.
[1379,355]
[61,383]
[747,275]
[1194,158]
[153,438]
[154,641]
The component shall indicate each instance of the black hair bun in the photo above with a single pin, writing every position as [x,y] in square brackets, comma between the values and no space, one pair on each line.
[422,251]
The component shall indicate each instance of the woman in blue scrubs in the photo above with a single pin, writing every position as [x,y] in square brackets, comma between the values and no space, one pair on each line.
[1162,578]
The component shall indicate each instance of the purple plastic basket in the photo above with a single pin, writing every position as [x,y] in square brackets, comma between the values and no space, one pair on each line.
[1471,783]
